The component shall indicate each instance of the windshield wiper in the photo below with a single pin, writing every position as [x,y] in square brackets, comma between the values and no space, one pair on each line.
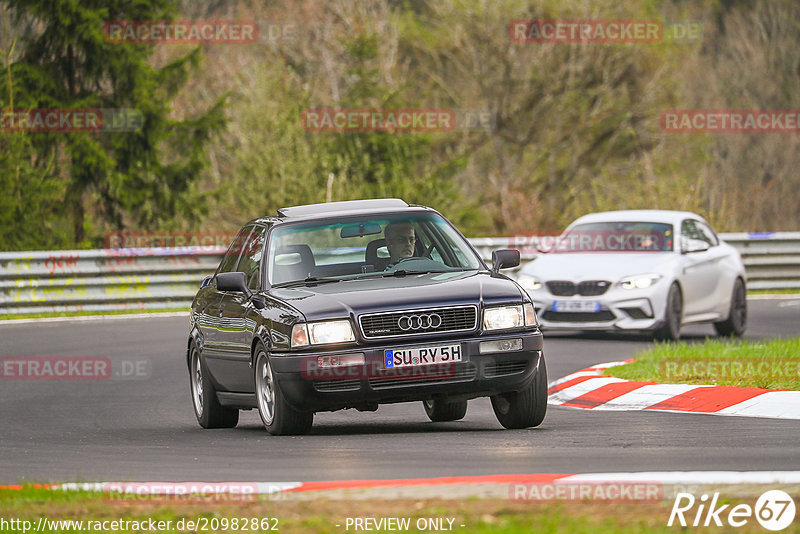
[404,272]
[308,280]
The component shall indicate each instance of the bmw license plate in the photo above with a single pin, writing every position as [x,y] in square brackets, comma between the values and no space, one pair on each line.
[584,306]
[413,356]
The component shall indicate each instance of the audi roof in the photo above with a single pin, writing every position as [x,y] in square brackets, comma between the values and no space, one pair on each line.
[343,208]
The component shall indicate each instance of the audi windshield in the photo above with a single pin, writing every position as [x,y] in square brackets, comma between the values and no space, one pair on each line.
[357,247]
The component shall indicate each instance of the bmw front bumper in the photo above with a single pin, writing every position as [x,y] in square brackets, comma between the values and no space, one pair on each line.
[616,309]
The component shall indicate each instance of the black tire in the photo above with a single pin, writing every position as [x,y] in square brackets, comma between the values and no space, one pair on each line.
[526,408]
[736,323]
[673,316]
[440,411]
[278,417]
[209,412]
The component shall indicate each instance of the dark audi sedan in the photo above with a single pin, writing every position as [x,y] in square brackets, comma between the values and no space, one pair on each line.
[358,303]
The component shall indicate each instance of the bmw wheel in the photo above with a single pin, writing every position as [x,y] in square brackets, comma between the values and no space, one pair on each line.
[278,417]
[526,408]
[209,412]
[736,322]
[673,316]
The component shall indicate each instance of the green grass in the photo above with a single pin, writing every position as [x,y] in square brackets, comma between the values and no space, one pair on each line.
[795,291]
[320,516]
[86,313]
[773,364]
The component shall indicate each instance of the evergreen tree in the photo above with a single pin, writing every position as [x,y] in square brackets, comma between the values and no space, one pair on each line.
[63,61]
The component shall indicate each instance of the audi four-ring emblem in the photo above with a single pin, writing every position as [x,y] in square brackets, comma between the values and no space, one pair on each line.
[423,321]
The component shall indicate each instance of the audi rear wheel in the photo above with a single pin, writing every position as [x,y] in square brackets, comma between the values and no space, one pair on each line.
[209,412]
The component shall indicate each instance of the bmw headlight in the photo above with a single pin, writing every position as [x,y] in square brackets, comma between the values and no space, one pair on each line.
[503,318]
[322,333]
[641,281]
[529,283]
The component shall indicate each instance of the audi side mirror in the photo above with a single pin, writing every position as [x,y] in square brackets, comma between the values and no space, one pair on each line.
[504,259]
[237,282]
[232,282]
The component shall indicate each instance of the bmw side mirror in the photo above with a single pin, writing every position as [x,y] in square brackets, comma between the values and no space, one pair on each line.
[504,259]
[237,282]
[689,245]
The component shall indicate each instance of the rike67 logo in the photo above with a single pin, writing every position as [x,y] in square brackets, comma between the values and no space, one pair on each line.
[774,510]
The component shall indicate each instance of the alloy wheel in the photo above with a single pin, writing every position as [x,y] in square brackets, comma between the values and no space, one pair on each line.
[265,389]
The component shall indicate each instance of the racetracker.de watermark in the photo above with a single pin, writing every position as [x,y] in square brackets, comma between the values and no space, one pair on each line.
[79,368]
[594,241]
[728,369]
[180,31]
[395,120]
[730,121]
[324,368]
[200,32]
[603,31]
[134,240]
[588,491]
[70,120]
[186,492]
[585,31]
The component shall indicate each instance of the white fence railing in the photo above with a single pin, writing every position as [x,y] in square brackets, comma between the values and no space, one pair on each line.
[153,278]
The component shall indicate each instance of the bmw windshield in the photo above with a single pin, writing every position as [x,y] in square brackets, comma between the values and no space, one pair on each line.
[617,236]
[350,248]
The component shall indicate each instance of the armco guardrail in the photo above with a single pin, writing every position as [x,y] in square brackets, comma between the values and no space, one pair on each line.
[151,278]
[772,259]
[102,280]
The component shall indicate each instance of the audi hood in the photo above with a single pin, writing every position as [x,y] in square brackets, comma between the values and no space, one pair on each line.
[347,298]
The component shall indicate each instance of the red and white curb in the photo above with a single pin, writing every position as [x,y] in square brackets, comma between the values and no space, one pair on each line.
[665,478]
[266,488]
[590,389]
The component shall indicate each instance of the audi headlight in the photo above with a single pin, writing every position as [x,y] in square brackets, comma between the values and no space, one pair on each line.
[641,281]
[503,318]
[322,333]
[530,315]
[529,283]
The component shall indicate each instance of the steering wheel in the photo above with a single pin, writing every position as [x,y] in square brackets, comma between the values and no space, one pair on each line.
[401,260]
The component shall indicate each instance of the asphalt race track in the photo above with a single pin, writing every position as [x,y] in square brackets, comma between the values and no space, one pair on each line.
[144,429]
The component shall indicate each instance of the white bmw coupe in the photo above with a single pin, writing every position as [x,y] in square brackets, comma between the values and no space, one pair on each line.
[638,270]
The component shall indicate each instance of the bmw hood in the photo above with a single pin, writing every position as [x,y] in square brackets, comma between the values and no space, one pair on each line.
[597,266]
[415,291]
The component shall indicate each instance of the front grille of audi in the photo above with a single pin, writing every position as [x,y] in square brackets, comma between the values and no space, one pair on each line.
[419,322]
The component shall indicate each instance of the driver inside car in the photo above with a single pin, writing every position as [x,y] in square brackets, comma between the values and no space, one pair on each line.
[400,241]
